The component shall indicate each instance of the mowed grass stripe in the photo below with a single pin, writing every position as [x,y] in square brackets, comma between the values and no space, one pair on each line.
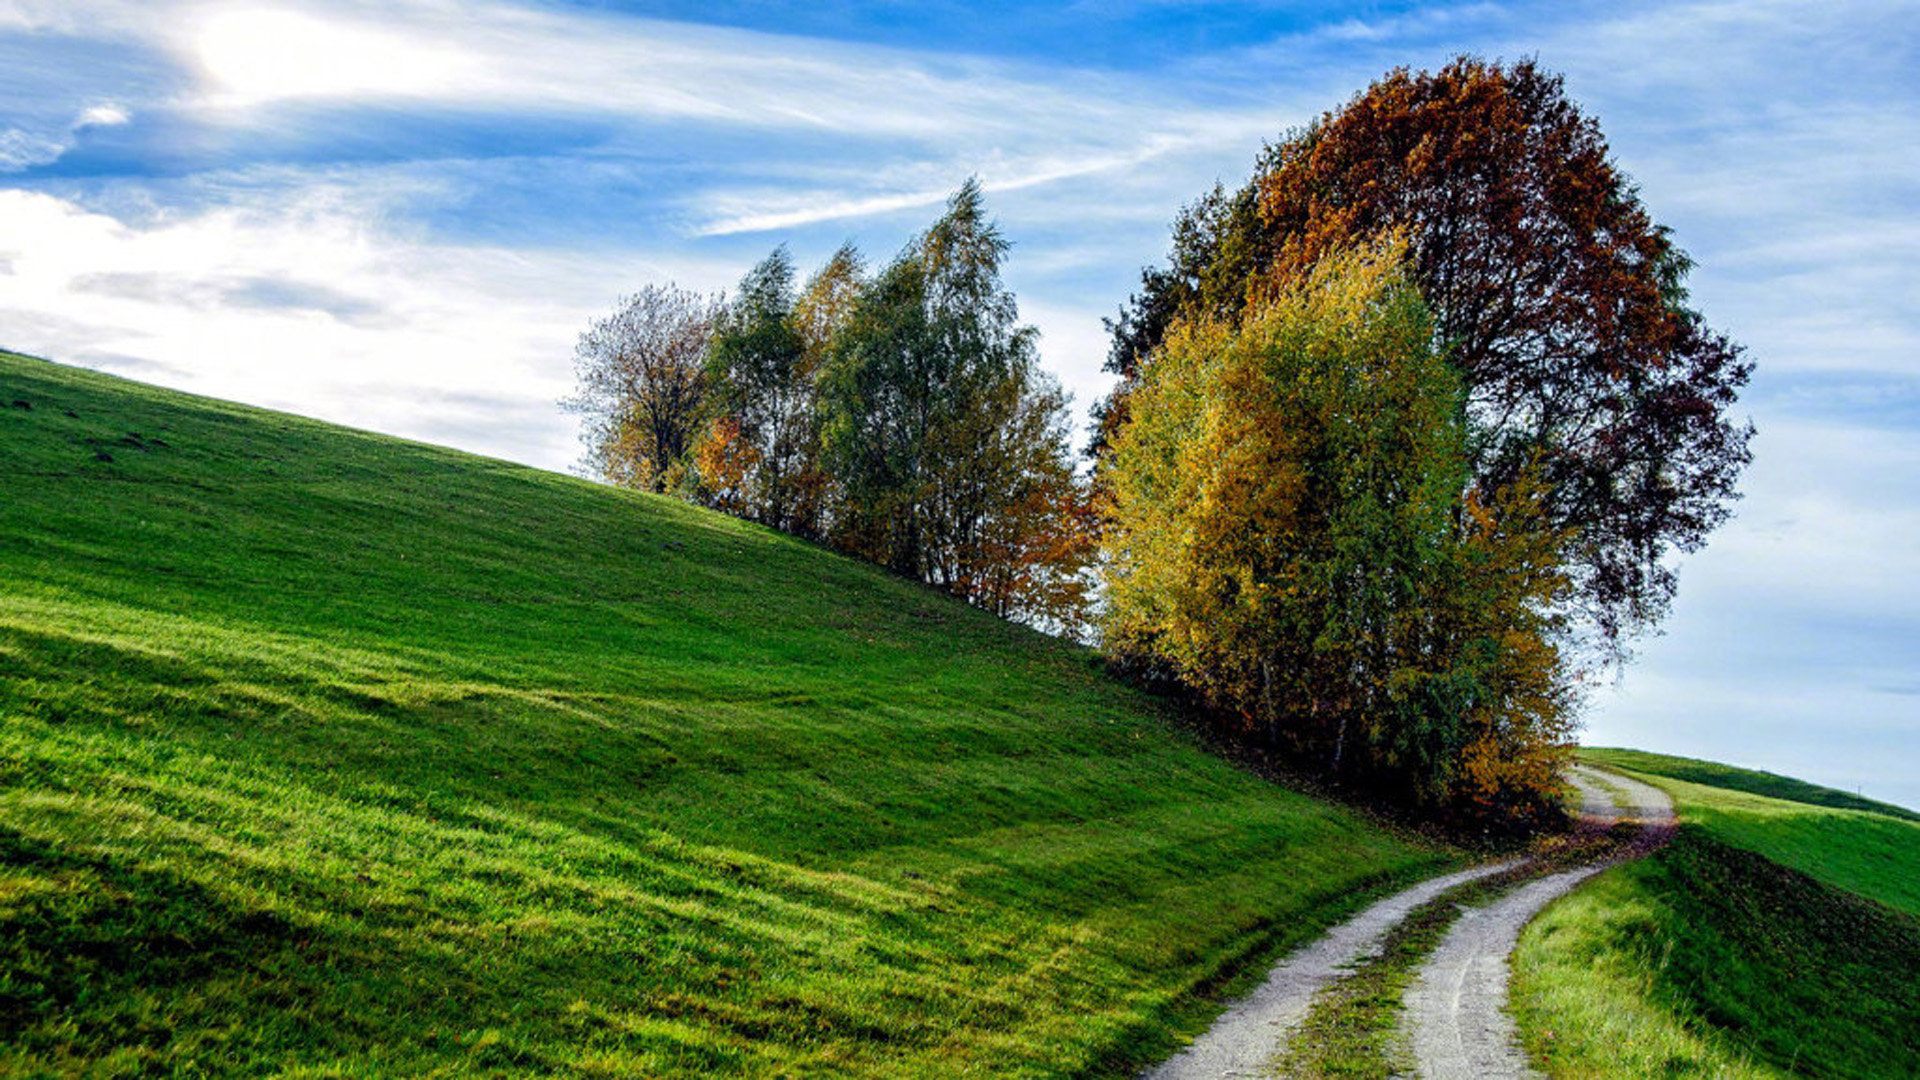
[326,752]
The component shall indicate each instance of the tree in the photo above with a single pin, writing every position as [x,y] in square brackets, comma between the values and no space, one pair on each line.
[902,419]
[1560,302]
[945,444]
[759,457]
[642,379]
[1293,532]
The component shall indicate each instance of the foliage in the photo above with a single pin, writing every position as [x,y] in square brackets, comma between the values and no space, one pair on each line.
[1288,533]
[1559,300]
[903,419]
[324,753]
[759,457]
[642,380]
[946,443]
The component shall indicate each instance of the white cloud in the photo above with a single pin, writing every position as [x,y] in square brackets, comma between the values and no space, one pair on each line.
[1018,125]
[106,115]
[307,308]
[518,58]
[256,55]
[23,149]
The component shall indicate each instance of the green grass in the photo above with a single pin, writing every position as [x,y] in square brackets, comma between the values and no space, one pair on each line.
[323,753]
[1867,852]
[1751,781]
[1772,938]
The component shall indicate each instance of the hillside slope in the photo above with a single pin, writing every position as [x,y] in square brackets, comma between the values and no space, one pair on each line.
[322,751]
[1732,778]
[1776,937]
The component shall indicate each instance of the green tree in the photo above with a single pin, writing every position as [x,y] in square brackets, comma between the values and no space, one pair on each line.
[759,455]
[1560,301]
[945,443]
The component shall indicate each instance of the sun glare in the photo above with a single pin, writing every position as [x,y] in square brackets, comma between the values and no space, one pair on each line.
[256,55]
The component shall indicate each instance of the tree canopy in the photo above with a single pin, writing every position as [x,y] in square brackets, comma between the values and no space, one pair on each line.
[759,456]
[948,443]
[900,417]
[643,386]
[1559,301]
[1293,532]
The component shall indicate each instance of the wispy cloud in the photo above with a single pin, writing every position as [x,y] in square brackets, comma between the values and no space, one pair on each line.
[22,148]
[305,308]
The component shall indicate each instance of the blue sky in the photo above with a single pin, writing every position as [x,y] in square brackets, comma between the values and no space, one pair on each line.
[400,215]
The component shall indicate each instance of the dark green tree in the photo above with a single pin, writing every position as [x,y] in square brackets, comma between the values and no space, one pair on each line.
[945,444]
[759,456]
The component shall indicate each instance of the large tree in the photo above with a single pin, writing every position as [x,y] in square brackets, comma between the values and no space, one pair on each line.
[1558,299]
[642,384]
[1293,533]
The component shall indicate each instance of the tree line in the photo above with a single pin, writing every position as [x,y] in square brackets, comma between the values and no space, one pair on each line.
[900,415]
[1406,434]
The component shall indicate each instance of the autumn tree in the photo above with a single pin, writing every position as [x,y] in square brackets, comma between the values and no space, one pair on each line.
[1560,302]
[1294,531]
[642,384]
[946,445]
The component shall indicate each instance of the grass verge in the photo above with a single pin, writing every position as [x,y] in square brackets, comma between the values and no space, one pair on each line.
[1708,960]
[1775,937]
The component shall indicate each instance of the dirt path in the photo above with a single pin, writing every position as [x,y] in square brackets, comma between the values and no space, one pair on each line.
[1456,1011]
[1251,1032]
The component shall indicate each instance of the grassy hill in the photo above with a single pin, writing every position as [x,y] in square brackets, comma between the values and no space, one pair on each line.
[331,754]
[1752,781]
[1777,936]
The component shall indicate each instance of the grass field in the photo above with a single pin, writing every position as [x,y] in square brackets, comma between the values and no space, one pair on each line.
[1775,937]
[323,753]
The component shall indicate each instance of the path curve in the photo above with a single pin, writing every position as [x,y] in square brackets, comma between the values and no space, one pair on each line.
[1457,1007]
[1254,1029]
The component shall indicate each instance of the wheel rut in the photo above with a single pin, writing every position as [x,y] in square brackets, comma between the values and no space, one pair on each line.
[1455,1015]
[1252,1030]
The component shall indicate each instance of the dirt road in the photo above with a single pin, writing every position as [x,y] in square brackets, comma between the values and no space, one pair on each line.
[1456,1011]
[1250,1033]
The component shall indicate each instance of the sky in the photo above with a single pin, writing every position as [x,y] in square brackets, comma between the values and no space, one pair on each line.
[400,215]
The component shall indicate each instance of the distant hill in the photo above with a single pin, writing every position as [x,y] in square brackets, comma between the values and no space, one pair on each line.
[326,752]
[1751,781]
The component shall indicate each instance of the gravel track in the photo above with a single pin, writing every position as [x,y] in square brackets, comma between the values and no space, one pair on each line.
[1254,1029]
[1456,1010]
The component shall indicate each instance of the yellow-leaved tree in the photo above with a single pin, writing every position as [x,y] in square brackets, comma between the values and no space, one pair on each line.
[1292,531]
